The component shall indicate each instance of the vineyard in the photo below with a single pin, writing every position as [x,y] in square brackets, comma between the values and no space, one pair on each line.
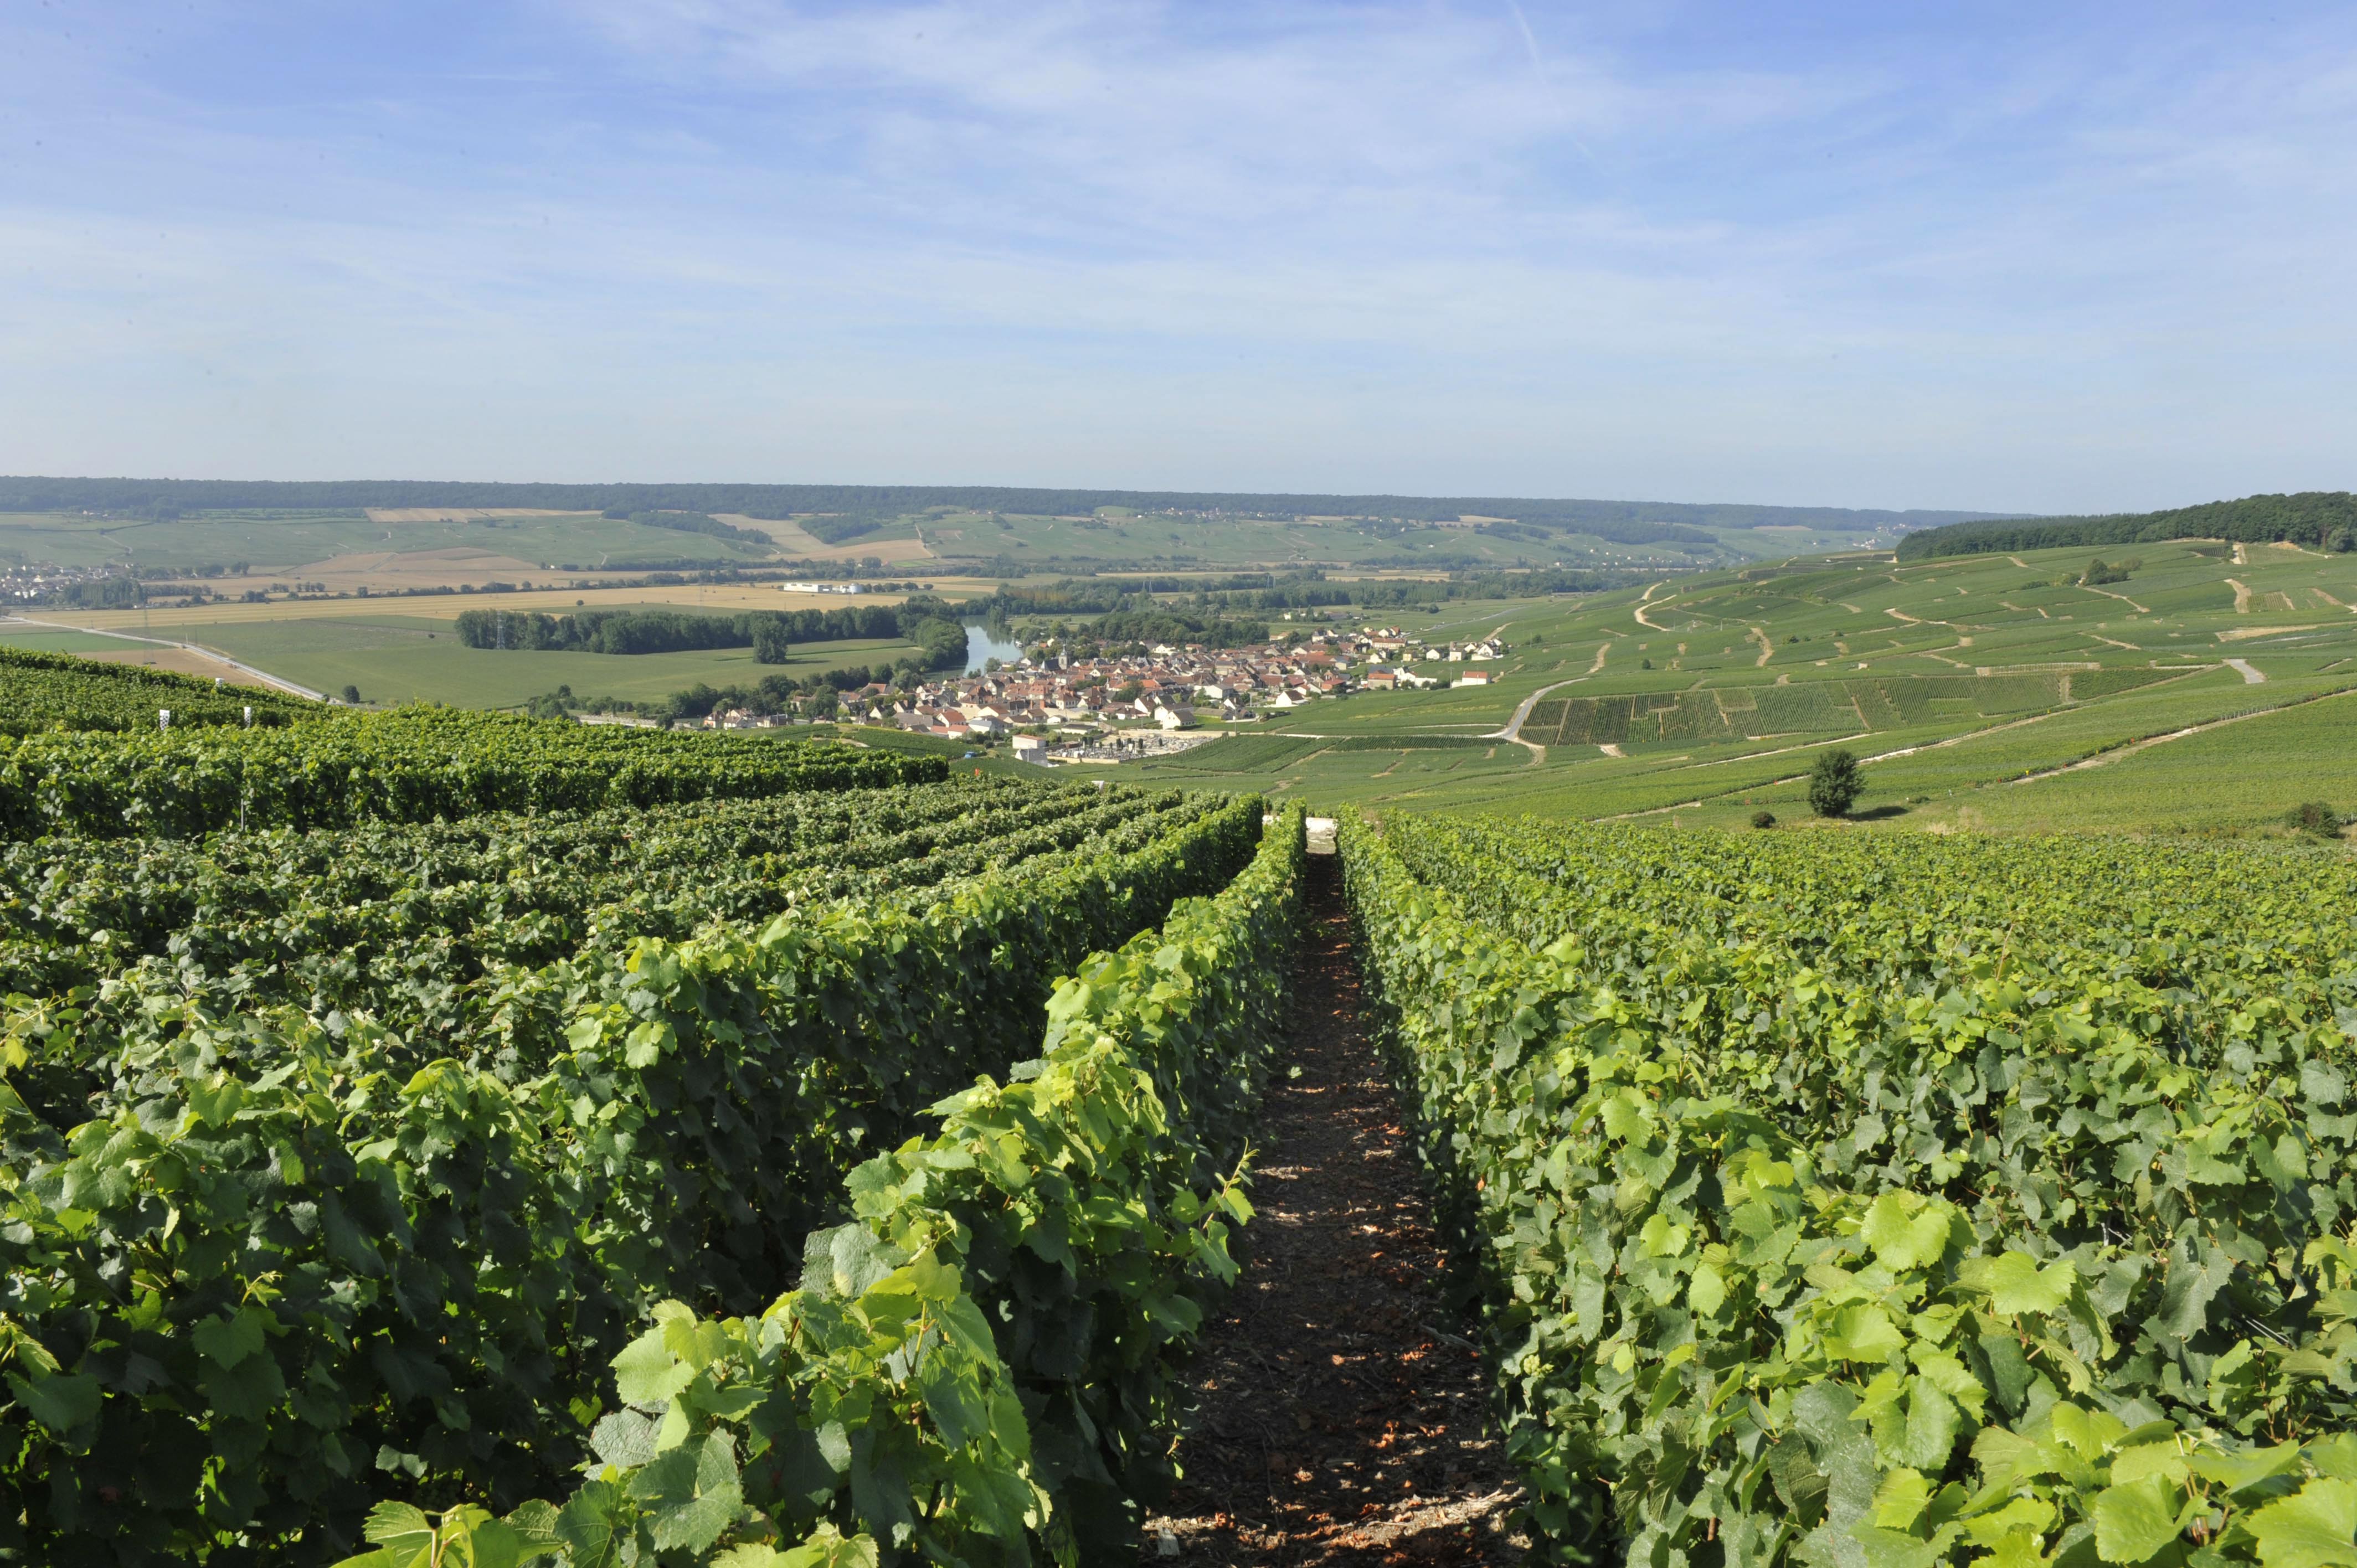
[411,765]
[385,1096]
[54,691]
[1875,1203]
[439,1139]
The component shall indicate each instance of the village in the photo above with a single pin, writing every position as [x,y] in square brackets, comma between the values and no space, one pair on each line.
[1056,708]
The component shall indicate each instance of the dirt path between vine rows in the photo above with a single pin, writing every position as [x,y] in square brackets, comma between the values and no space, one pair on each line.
[1342,1417]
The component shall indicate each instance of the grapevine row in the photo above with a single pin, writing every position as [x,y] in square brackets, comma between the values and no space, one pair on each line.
[57,691]
[1790,1264]
[411,765]
[2175,916]
[504,888]
[276,1268]
[978,1369]
[491,996]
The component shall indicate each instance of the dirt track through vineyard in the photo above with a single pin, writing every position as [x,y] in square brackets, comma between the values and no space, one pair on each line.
[1343,1418]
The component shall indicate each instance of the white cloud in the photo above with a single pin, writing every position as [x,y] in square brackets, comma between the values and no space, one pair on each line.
[1364,246]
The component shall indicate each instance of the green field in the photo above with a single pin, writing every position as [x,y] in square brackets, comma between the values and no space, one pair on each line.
[1702,697]
[1116,537]
[46,640]
[269,542]
[403,658]
[274,541]
[2219,778]
[1954,679]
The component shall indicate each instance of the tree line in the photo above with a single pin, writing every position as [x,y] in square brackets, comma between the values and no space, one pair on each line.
[814,696]
[2321,520]
[930,623]
[1143,627]
[28,493]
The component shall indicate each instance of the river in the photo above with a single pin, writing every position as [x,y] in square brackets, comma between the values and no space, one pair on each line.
[981,647]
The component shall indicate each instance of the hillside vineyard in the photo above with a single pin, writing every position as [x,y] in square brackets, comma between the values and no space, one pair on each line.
[431,1138]
[40,690]
[347,1150]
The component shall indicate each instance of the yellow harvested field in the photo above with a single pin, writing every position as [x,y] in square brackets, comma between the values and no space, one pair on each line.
[555,601]
[179,661]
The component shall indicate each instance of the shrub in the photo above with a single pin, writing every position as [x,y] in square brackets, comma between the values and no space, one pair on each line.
[2316,817]
[1835,784]
[1763,819]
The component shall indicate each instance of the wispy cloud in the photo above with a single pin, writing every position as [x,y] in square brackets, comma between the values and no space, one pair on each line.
[2024,260]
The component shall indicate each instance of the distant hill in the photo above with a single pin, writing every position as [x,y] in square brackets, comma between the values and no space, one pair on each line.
[1627,523]
[2319,518]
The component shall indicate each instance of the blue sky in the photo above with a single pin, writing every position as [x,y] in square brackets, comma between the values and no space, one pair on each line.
[2010,256]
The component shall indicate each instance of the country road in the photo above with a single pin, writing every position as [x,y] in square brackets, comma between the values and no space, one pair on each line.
[1513,730]
[264,676]
[1640,611]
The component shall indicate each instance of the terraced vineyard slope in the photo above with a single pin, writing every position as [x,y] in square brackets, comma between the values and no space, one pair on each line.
[1970,686]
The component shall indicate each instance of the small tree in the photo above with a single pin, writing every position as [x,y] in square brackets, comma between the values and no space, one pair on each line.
[1763,819]
[770,643]
[2316,817]
[351,694]
[1835,784]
